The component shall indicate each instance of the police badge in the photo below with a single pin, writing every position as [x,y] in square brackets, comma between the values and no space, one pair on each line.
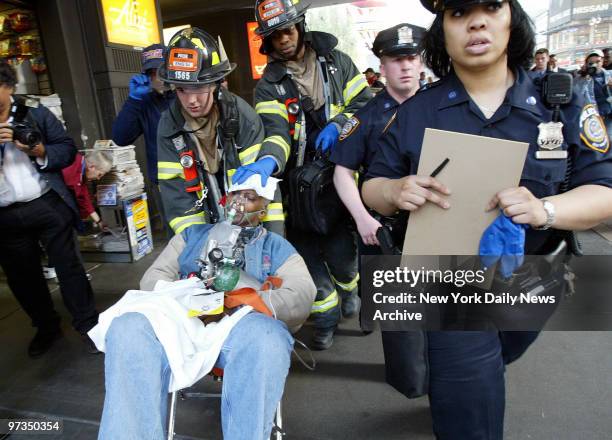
[404,35]
[550,140]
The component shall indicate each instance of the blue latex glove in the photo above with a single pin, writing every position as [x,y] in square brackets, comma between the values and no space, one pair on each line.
[140,85]
[264,167]
[328,137]
[504,240]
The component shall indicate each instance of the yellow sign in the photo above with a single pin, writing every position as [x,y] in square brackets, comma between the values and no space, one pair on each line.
[131,22]
[141,213]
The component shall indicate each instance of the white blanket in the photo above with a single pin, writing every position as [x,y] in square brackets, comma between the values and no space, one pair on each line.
[191,347]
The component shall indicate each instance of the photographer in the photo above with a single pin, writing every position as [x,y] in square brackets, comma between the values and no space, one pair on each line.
[594,83]
[36,206]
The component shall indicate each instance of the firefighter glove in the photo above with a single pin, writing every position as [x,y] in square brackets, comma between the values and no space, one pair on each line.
[139,86]
[264,167]
[328,137]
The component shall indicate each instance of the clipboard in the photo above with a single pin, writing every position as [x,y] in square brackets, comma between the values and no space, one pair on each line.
[478,168]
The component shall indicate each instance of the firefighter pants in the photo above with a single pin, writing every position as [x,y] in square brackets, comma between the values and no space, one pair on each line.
[332,263]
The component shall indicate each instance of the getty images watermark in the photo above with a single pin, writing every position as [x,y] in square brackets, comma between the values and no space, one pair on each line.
[457,293]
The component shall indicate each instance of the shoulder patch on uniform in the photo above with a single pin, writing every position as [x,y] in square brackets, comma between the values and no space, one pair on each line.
[350,127]
[593,129]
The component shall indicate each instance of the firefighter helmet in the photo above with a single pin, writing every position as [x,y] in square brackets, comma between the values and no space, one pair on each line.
[277,14]
[194,57]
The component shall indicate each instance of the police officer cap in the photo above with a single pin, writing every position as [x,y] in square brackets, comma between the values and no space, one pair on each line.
[403,39]
[436,6]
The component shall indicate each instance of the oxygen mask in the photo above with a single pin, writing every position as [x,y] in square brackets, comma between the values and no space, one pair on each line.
[237,214]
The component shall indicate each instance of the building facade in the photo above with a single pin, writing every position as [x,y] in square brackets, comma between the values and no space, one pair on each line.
[577,26]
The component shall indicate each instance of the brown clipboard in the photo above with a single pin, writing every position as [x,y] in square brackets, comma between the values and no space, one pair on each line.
[478,168]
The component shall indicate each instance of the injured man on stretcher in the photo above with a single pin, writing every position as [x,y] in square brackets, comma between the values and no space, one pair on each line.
[224,295]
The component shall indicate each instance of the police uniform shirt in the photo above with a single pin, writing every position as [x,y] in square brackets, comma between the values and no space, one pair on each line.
[447,106]
[534,74]
[359,136]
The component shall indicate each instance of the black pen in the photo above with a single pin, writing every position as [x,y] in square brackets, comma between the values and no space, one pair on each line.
[440,167]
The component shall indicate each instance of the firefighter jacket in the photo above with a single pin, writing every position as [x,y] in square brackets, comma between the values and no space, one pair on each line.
[346,91]
[173,138]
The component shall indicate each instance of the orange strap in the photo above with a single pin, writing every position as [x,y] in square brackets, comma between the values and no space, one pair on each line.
[272,283]
[249,296]
[246,295]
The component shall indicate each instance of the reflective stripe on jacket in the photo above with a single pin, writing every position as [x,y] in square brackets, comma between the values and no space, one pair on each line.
[348,92]
[172,137]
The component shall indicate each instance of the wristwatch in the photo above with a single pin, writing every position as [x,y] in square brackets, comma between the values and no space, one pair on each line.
[550,215]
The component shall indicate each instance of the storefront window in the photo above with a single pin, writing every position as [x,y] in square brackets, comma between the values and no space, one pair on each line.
[21,46]
[601,33]
[583,36]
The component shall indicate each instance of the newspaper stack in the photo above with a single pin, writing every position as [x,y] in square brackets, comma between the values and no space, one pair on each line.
[53,103]
[125,173]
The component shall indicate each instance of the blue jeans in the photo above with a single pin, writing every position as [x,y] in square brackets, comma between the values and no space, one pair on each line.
[255,358]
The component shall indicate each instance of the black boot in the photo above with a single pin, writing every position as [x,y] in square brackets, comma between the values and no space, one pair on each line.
[350,306]
[43,340]
[323,338]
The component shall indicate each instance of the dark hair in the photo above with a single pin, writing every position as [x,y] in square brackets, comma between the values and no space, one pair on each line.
[542,50]
[8,76]
[520,45]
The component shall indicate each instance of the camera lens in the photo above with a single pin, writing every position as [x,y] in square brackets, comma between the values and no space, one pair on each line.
[33,138]
[26,135]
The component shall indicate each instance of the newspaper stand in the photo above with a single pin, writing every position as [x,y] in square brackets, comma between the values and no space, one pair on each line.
[130,238]
[123,208]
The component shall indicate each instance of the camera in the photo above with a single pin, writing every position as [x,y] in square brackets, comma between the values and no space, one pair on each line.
[27,135]
[23,131]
